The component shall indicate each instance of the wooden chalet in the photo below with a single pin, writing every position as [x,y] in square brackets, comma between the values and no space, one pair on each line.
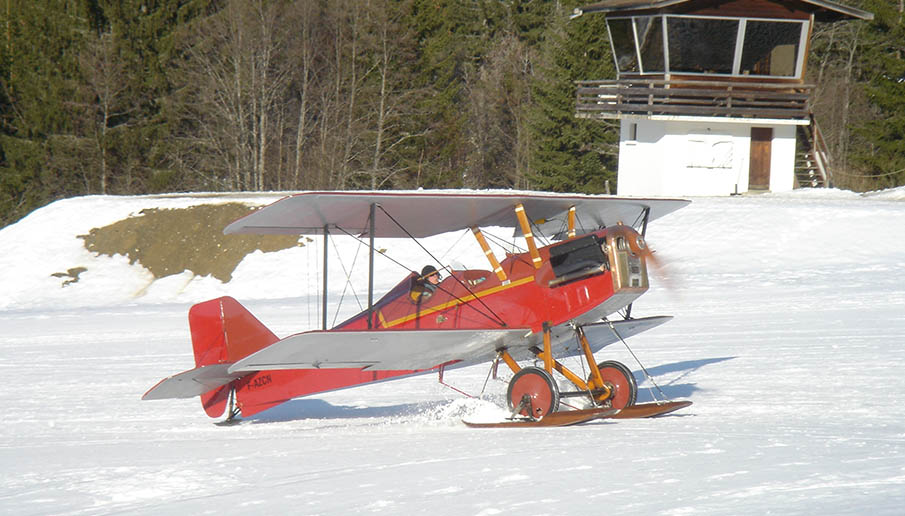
[710,94]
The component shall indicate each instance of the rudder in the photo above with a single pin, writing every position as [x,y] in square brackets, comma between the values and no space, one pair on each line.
[224,331]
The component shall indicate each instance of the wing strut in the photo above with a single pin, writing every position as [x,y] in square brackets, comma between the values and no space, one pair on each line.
[371,266]
[571,222]
[529,237]
[497,268]
[324,295]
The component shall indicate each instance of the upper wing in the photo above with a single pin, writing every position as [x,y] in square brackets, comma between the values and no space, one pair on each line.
[393,350]
[390,350]
[430,213]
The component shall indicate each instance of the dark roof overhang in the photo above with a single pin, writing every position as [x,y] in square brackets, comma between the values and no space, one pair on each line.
[824,10]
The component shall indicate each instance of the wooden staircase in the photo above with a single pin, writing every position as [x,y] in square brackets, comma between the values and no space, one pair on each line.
[812,158]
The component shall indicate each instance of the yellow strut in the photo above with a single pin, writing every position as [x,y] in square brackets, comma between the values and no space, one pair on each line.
[510,361]
[571,221]
[497,268]
[595,381]
[529,237]
[565,371]
[574,378]
[548,349]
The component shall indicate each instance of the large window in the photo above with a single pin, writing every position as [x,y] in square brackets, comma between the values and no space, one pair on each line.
[771,48]
[701,45]
[622,37]
[650,34]
[708,45]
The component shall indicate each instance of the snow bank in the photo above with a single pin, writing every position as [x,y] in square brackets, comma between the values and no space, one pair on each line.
[42,248]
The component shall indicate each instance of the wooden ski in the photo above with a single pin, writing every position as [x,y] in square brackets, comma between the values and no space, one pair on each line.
[576,417]
[650,409]
[564,418]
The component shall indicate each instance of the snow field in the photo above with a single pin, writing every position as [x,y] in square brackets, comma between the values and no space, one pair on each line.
[788,336]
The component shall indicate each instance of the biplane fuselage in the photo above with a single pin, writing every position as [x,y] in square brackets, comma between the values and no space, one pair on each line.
[540,304]
[529,298]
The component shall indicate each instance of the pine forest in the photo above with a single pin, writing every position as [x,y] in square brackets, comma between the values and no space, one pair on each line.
[149,96]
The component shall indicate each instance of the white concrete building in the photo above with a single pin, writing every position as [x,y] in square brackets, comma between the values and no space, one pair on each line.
[710,94]
[696,156]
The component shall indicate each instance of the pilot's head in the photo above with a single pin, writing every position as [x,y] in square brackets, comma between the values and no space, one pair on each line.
[429,273]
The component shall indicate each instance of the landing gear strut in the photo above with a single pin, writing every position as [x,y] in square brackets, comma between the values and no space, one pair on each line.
[533,392]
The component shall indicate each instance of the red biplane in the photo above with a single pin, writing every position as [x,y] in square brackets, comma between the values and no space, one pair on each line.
[549,302]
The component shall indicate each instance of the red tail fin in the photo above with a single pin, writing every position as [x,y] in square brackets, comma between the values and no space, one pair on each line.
[224,331]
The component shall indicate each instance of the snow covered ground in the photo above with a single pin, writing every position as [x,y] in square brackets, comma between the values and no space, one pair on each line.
[789,337]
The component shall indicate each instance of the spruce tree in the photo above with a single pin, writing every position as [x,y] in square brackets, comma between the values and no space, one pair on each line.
[879,147]
[39,63]
[570,154]
[440,27]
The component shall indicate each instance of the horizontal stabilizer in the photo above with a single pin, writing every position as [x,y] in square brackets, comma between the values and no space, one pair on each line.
[194,382]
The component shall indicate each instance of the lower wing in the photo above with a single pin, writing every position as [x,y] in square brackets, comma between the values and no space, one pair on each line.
[389,350]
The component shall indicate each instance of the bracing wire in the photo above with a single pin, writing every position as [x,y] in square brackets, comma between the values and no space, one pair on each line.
[538,234]
[580,224]
[644,369]
[348,285]
[497,318]
[455,244]
[308,282]
[497,240]
[385,255]
[385,212]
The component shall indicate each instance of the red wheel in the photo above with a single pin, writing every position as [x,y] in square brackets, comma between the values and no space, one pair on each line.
[538,386]
[621,382]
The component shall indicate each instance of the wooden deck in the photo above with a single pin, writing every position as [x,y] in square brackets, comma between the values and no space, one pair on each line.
[689,98]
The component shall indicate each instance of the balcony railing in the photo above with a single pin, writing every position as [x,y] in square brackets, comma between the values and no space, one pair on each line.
[684,98]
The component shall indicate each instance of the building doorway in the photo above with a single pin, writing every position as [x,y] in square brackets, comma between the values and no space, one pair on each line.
[759,163]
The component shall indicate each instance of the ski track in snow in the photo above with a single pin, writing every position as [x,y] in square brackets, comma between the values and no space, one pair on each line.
[789,336]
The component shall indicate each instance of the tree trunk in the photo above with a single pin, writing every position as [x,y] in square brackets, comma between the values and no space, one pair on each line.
[381,110]
[302,130]
[350,115]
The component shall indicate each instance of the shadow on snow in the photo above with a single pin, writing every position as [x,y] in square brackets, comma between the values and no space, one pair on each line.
[673,389]
[312,408]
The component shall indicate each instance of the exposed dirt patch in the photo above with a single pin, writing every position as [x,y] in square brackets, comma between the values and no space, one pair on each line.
[169,241]
[71,276]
